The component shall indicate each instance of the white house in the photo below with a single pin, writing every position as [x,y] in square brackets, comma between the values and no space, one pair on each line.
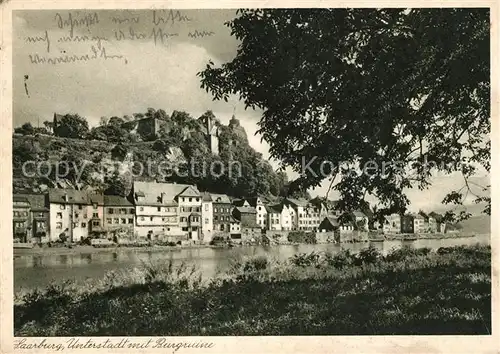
[207,209]
[261,216]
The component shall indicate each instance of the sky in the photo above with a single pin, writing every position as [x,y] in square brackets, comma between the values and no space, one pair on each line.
[152,58]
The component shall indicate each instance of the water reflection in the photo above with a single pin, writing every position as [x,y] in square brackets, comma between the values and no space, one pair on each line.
[36,269]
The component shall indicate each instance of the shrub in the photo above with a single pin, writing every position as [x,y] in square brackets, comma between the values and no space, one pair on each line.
[306,259]
[256,264]
[340,260]
[368,255]
[399,254]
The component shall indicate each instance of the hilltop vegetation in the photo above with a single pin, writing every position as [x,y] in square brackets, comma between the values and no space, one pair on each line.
[92,157]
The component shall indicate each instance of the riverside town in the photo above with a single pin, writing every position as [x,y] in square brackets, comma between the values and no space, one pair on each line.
[298,171]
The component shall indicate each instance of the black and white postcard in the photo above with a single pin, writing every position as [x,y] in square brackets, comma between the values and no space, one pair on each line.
[251,177]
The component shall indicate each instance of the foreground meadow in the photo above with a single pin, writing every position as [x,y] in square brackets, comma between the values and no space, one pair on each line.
[408,291]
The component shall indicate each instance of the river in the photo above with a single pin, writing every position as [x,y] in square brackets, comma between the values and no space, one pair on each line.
[38,270]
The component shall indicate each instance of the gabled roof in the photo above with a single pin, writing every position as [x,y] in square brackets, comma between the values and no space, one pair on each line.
[253,201]
[240,202]
[96,198]
[220,198]
[116,200]
[247,210]
[189,191]
[276,208]
[38,202]
[330,220]
[73,196]
[158,193]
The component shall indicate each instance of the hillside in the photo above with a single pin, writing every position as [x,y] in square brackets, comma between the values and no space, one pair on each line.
[178,154]
[479,224]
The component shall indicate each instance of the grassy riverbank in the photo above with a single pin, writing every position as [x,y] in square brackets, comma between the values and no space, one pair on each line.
[406,292]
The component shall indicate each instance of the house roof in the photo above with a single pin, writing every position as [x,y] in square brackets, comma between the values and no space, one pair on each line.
[330,220]
[73,196]
[194,214]
[239,202]
[233,219]
[96,198]
[158,193]
[253,201]
[317,202]
[245,209]
[189,191]
[220,198]
[276,208]
[36,201]
[116,200]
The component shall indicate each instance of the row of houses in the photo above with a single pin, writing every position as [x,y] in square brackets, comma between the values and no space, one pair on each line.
[178,212]
[415,223]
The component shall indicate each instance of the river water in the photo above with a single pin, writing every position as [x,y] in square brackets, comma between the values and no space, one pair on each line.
[38,270]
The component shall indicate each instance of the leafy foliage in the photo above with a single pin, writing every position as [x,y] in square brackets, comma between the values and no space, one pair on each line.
[406,91]
[72,126]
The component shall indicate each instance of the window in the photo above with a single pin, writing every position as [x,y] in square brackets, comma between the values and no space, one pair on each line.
[197,209]
[259,208]
[168,228]
[215,210]
[115,220]
[40,224]
[151,218]
[163,219]
[206,220]
[182,209]
[85,215]
[130,221]
[124,221]
[222,227]
[40,215]
[141,208]
[59,215]
[80,207]
[95,223]
[110,210]
[216,218]
[142,218]
[77,215]
[206,207]
[84,224]
[183,219]
[159,208]
[62,207]
[190,199]
[95,215]
[184,229]
[131,210]
[109,221]
[95,206]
